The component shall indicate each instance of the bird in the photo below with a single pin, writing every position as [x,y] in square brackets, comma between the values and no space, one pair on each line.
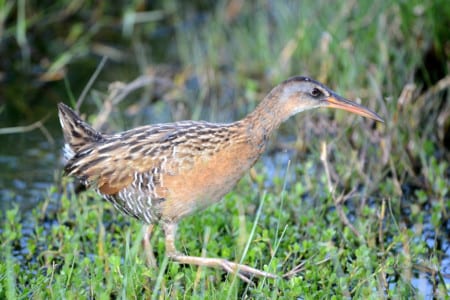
[161,173]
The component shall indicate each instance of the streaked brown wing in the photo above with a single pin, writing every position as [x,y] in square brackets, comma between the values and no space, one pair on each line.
[114,163]
[111,165]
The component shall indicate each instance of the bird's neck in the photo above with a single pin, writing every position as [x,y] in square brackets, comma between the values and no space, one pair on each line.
[263,121]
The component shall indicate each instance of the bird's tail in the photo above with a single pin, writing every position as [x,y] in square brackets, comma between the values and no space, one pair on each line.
[77,133]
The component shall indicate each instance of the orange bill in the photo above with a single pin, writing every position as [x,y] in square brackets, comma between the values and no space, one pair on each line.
[336,101]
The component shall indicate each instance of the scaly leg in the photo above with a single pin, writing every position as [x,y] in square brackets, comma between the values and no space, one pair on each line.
[151,261]
[231,267]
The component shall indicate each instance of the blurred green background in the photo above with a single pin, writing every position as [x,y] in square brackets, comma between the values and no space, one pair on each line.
[215,60]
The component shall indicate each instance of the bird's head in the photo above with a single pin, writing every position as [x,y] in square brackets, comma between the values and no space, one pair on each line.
[302,93]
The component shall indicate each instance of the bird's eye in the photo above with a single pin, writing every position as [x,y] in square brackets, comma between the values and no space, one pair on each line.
[316,93]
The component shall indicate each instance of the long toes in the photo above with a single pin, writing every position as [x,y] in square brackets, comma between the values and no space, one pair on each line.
[239,269]
[244,278]
[293,272]
[250,270]
[227,266]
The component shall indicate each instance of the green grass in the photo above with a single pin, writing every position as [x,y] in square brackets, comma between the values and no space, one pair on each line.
[90,250]
[393,177]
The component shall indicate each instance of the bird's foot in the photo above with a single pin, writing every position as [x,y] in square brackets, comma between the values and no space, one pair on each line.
[242,271]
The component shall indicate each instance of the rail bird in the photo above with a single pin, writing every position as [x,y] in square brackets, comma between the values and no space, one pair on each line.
[161,173]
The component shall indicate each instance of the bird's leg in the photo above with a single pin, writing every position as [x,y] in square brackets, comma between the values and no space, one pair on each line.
[231,267]
[151,261]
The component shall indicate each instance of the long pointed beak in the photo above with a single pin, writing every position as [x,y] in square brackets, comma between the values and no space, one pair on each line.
[336,101]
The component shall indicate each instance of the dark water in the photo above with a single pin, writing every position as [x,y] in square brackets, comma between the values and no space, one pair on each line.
[29,164]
